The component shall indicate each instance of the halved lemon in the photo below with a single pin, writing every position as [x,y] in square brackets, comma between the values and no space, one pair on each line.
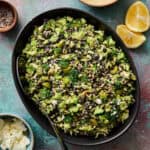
[130,39]
[138,17]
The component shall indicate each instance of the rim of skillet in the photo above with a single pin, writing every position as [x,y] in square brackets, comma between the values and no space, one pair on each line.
[75,140]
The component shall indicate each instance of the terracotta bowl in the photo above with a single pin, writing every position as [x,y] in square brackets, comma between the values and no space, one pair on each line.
[8,5]
[98,3]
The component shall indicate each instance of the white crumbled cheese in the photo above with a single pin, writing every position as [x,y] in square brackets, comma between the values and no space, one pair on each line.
[54,102]
[98,101]
[118,101]
[21,145]
[12,135]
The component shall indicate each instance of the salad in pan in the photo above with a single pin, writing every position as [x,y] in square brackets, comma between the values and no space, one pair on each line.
[78,76]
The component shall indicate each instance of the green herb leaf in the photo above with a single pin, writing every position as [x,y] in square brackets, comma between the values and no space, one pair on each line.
[57,51]
[44,93]
[74,75]
[68,119]
[63,63]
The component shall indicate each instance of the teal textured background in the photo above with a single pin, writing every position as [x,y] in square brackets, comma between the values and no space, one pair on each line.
[137,138]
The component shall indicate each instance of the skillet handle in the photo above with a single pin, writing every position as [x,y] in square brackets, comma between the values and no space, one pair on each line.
[60,140]
[62,144]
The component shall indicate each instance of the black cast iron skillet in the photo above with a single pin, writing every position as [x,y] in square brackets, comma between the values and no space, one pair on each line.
[32,108]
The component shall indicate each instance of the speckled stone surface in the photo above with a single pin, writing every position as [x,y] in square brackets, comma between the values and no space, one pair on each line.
[137,138]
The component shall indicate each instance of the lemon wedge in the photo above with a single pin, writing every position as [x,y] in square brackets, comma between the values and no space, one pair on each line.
[138,17]
[130,39]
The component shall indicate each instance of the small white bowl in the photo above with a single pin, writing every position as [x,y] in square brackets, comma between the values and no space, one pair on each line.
[29,130]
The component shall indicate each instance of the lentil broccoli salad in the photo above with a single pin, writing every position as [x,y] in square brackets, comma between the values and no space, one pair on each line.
[77,76]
